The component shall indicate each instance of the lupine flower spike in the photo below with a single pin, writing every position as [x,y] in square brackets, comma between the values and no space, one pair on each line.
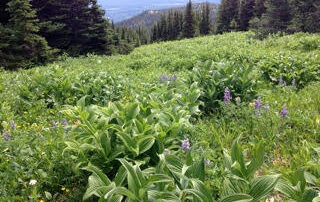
[6,135]
[13,125]
[227,95]
[258,103]
[186,145]
[284,111]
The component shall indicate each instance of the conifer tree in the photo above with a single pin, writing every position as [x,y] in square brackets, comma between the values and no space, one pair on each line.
[21,46]
[74,26]
[98,34]
[259,8]
[228,16]
[205,19]
[277,16]
[189,22]
[305,15]
[246,14]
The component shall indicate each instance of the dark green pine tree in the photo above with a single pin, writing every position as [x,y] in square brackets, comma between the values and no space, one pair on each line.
[4,15]
[306,15]
[74,26]
[177,24]
[163,31]
[189,22]
[55,18]
[276,17]
[21,46]
[259,8]
[171,28]
[246,14]
[98,34]
[228,16]
[205,19]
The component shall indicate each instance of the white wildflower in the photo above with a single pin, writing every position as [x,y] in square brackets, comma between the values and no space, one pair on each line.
[33,182]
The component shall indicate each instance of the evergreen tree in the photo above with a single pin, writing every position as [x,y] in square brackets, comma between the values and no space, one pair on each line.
[246,14]
[205,19]
[189,23]
[4,15]
[259,8]
[163,28]
[305,15]
[74,26]
[228,16]
[21,46]
[98,34]
[277,16]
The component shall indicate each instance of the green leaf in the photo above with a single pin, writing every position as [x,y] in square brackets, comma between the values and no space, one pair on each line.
[96,171]
[285,188]
[134,182]
[262,186]
[48,195]
[132,111]
[120,191]
[237,155]
[237,198]
[309,195]
[257,161]
[145,143]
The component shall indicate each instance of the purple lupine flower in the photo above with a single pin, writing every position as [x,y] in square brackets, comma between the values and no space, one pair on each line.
[227,95]
[173,78]
[166,152]
[238,100]
[65,122]
[185,145]
[207,162]
[284,111]
[6,135]
[164,78]
[54,125]
[13,125]
[258,103]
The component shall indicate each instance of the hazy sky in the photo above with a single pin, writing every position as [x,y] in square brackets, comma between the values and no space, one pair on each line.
[118,10]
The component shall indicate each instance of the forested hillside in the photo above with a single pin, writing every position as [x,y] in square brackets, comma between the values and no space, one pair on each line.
[150,17]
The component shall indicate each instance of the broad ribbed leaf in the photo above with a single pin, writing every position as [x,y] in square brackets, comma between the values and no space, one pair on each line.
[96,171]
[132,111]
[159,178]
[120,191]
[134,182]
[121,176]
[199,186]
[262,186]
[285,188]
[196,170]
[237,198]
[145,143]
[237,155]
[309,195]
[257,160]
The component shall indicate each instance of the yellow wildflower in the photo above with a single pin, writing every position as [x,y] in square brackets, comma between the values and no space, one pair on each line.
[63,188]
[251,104]
[67,191]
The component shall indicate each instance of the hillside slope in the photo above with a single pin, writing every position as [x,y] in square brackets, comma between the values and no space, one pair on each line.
[150,17]
[67,127]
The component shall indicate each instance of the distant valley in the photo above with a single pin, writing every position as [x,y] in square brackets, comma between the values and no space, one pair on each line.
[149,17]
[119,10]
